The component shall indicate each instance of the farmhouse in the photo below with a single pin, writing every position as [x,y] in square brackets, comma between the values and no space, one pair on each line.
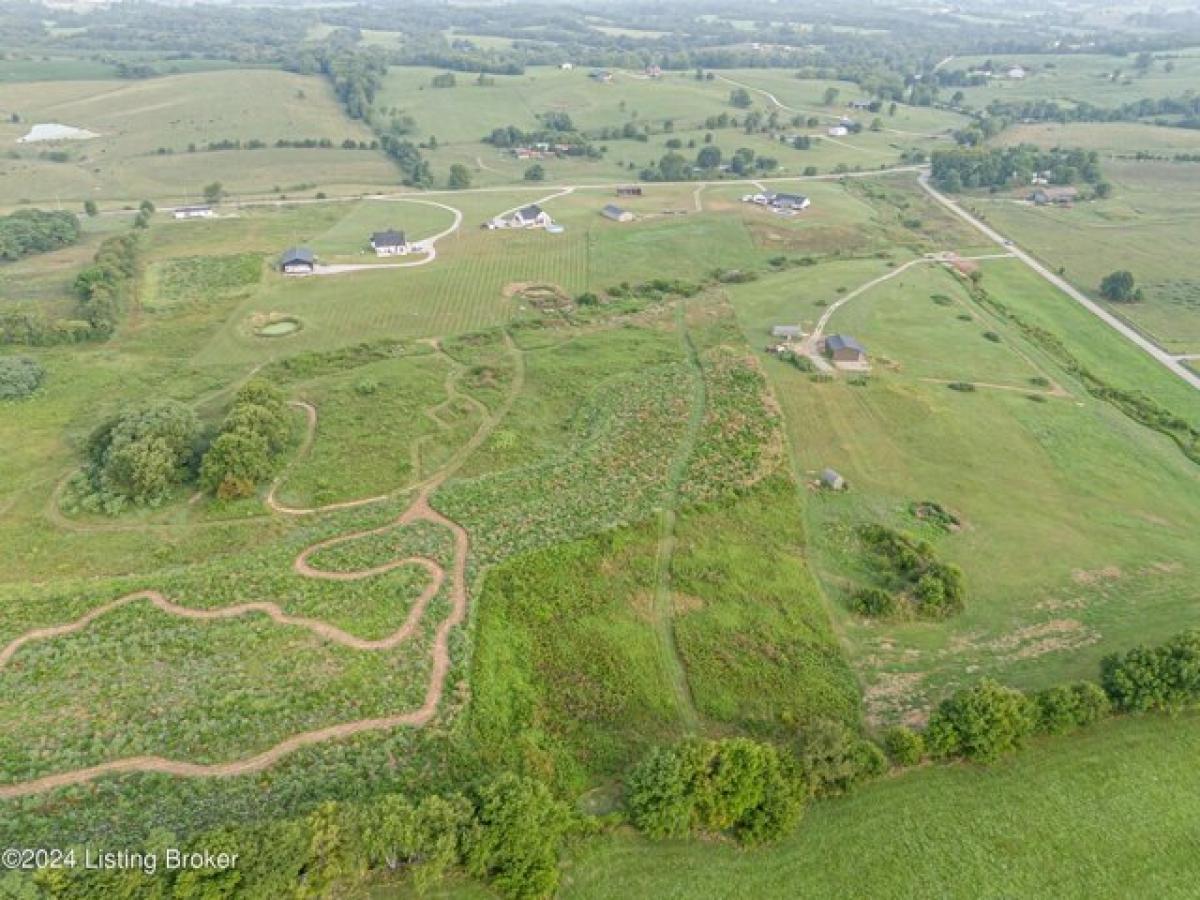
[788,201]
[787,332]
[616,213]
[194,212]
[839,131]
[653,71]
[629,190]
[842,348]
[297,261]
[1059,196]
[532,216]
[389,243]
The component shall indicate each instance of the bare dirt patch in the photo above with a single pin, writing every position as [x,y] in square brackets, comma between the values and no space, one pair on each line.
[896,696]
[682,604]
[1055,636]
[1096,576]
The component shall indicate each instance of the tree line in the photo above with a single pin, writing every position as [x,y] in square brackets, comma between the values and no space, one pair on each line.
[997,167]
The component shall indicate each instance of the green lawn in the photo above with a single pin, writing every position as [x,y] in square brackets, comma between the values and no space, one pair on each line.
[1106,813]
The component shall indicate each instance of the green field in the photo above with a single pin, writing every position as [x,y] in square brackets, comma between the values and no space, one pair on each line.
[135,119]
[1145,227]
[1084,816]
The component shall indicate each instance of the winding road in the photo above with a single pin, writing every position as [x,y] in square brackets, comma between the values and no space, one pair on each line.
[428,245]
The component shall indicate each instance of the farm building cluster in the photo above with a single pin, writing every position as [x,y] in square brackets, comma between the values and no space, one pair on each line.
[784,204]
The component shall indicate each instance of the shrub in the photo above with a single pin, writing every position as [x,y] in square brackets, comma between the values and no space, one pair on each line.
[873,601]
[965,386]
[833,758]
[991,336]
[254,432]
[904,746]
[1166,677]
[1065,707]
[740,786]
[20,376]
[981,723]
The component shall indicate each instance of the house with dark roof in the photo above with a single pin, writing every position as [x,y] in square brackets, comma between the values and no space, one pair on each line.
[194,212]
[297,261]
[841,348]
[532,216]
[794,202]
[389,243]
[611,211]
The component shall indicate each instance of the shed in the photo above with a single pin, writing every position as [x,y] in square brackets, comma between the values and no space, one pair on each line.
[629,190]
[617,214]
[1054,195]
[194,212]
[787,332]
[297,261]
[832,480]
[843,348]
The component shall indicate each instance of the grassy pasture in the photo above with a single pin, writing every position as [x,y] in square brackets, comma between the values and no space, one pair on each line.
[1110,138]
[1098,509]
[1147,226]
[348,239]
[1081,77]
[135,119]
[1043,823]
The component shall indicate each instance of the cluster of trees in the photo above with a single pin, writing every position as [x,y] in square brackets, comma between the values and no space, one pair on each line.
[750,790]
[413,166]
[284,143]
[20,376]
[511,136]
[919,583]
[1120,287]
[249,442]
[102,286]
[139,456]
[508,832]
[674,166]
[1182,111]
[1162,678]
[29,231]
[996,167]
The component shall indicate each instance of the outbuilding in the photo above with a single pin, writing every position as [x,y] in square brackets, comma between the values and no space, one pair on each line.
[297,261]
[842,348]
[831,480]
[194,212]
[616,213]
[787,332]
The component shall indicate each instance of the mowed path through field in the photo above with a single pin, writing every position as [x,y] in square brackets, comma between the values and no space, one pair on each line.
[419,510]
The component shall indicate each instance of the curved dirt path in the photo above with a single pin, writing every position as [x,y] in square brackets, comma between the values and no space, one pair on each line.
[418,510]
[428,245]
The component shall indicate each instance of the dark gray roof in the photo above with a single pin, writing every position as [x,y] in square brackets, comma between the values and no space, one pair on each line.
[829,476]
[295,255]
[532,211]
[389,238]
[837,342]
[788,198]
[613,211]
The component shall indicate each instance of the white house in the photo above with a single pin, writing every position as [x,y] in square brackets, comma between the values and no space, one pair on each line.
[1016,72]
[297,261]
[532,216]
[839,131]
[389,243]
[566,67]
[194,212]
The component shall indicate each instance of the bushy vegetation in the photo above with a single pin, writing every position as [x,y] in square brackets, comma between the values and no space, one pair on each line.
[1166,677]
[750,790]
[922,584]
[20,376]
[102,286]
[997,167]
[834,758]
[981,723]
[1119,287]
[904,746]
[139,456]
[244,452]
[29,231]
[509,832]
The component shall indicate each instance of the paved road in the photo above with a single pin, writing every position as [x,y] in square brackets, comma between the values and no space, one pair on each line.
[1130,334]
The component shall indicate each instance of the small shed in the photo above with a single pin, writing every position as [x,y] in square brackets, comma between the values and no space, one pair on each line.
[629,190]
[297,261]
[787,332]
[194,212]
[831,480]
[1059,196]
[843,348]
[617,214]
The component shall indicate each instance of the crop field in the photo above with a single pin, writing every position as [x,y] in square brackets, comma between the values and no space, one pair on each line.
[1038,824]
[1070,501]
[1145,227]
[1081,77]
[134,120]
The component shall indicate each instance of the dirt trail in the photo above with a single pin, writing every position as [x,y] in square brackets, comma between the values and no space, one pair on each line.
[419,510]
